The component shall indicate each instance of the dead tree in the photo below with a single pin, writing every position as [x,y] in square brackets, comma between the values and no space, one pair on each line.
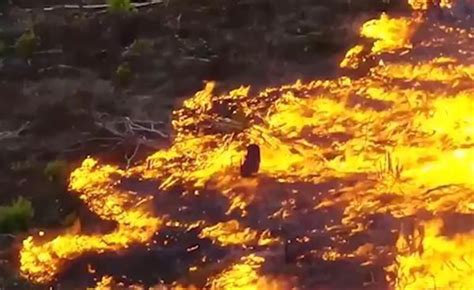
[251,163]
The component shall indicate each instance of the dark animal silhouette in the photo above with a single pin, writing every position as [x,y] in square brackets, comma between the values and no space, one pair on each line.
[251,163]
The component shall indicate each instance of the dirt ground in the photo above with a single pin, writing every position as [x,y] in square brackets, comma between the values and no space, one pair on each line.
[89,64]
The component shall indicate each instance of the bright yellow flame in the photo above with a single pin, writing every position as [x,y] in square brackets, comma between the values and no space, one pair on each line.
[105,283]
[419,4]
[232,233]
[390,34]
[440,262]
[446,3]
[353,57]
[41,261]
[244,276]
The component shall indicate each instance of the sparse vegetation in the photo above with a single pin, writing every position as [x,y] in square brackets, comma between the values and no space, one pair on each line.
[3,4]
[120,6]
[124,74]
[16,217]
[22,166]
[56,170]
[26,44]
[141,46]
[3,48]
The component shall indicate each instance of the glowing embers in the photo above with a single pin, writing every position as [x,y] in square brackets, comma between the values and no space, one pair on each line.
[232,233]
[436,70]
[425,4]
[244,275]
[419,4]
[428,260]
[353,57]
[105,283]
[447,3]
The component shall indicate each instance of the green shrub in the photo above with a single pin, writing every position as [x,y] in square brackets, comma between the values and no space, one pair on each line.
[142,47]
[16,217]
[3,47]
[124,74]
[120,6]
[56,170]
[26,44]
[4,4]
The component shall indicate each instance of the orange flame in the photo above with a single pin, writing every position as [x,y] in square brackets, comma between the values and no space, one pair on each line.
[41,261]
[443,263]
[232,233]
[244,275]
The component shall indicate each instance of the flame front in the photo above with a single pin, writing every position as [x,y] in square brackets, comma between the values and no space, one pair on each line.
[439,262]
[244,276]
[41,261]
[402,134]
[232,233]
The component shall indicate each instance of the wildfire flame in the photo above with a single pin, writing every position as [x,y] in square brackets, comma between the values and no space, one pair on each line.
[41,261]
[424,4]
[232,233]
[403,134]
[439,262]
[244,275]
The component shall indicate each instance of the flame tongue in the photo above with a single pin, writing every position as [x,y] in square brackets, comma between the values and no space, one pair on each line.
[41,262]
[434,261]
[402,134]
[425,4]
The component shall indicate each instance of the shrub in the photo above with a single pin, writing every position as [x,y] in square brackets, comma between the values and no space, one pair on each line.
[26,44]
[4,4]
[3,48]
[120,6]
[124,74]
[141,47]
[56,170]
[16,217]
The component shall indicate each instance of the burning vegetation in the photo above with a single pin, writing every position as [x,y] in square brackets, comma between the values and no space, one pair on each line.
[371,173]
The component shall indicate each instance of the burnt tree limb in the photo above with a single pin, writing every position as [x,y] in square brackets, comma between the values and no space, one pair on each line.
[251,163]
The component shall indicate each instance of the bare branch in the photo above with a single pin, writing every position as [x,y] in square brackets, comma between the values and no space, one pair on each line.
[14,134]
[201,59]
[136,131]
[126,127]
[60,67]
[49,52]
[130,159]
[77,145]
[8,236]
[97,7]
[135,126]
